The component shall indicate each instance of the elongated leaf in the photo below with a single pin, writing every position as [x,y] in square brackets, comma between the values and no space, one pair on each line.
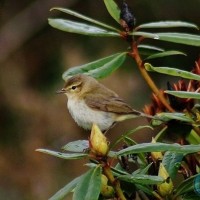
[89,186]
[172,162]
[118,170]
[141,179]
[156,147]
[145,34]
[187,185]
[164,54]
[77,146]
[81,28]
[113,9]
[62,193]
[143,171]
[167,24]
[177,116]
[193,137]
[128,133]
[197,185]
[141,156]
[159,136]
[73,13]
[180,38]
[68,156]
[191,196]
[145,188]
[99,68]
[172,72]
[150,47]
[183,94]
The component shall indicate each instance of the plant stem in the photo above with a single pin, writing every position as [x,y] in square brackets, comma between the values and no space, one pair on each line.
[116,184]
[157,196]
[135,55]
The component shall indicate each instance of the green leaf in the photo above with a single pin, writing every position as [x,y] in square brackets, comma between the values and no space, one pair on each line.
[160,135]
[193,137]
[73,13]
[89,185]
[145,34]
[177,116]
[180,38]
[62,193]
[157,147]
[129,141]
[113,9]
[148,49]
[167,24]
[143,171]
[119,170]
[128,133]
[172,162]
[197,185]
[191,196]
[80,28]
[99,68]
[68,156]
[141,156]
[145,188]
[77,146]
[184,94]
[141,179]
[186,185]
[172,72]
[164,54]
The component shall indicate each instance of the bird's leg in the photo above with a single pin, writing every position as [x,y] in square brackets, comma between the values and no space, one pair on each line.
[105,131]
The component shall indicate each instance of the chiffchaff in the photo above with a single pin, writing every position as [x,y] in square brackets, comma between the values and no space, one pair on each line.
[91,102]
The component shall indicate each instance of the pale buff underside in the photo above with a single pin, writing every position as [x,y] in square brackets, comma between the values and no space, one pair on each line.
[85,116]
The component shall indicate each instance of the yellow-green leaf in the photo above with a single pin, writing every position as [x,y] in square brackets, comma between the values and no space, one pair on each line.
[113,9]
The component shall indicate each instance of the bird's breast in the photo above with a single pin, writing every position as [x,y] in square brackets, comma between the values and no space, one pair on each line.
[86,116]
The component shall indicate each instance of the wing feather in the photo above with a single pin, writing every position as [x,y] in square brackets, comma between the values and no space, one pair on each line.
[110,104]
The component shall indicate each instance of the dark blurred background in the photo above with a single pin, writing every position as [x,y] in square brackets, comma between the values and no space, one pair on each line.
[33,57]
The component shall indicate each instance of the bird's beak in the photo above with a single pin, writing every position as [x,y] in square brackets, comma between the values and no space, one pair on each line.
[62,91]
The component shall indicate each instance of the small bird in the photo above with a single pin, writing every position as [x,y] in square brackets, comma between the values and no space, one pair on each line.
[91,102]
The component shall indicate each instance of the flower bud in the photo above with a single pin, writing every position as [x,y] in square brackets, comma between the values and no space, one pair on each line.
[127,19]
[98,141]
[106,190]
[165,188]
[156,155]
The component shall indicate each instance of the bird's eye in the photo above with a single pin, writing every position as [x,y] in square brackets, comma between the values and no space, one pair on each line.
[74,87]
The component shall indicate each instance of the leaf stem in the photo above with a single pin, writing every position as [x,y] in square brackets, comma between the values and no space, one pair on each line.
[135,55]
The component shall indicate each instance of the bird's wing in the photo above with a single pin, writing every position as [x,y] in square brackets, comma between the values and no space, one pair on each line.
[110,104]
